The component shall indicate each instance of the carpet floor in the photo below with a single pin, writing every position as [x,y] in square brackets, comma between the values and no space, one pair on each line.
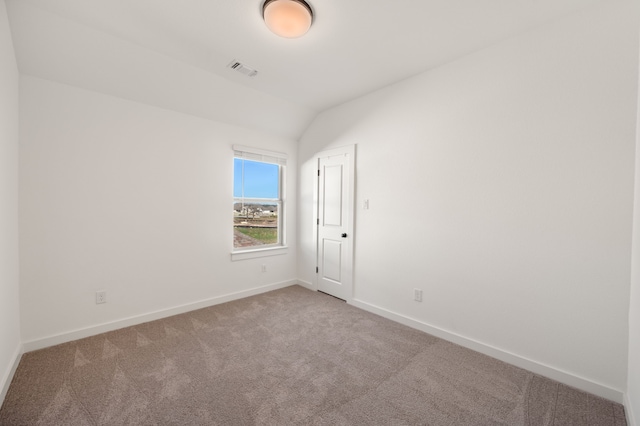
[287,357]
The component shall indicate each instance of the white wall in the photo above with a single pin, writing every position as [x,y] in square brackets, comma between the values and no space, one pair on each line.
[9,291]
[502,185]
[131,199]
[632,402]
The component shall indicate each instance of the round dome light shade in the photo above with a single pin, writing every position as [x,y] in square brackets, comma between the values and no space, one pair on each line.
[287,18]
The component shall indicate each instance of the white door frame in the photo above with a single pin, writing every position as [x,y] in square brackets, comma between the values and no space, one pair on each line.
[350,152]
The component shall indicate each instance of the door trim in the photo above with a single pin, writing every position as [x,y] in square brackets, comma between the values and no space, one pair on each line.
[350,152]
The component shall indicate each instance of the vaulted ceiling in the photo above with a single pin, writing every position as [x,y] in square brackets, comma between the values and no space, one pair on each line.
[174,54]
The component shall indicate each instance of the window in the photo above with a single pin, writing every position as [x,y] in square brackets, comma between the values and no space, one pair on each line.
[258,206]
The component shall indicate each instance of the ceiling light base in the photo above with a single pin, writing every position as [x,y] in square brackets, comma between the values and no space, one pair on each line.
[287,18]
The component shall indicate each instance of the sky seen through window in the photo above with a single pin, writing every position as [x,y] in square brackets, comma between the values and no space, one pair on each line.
[259,180]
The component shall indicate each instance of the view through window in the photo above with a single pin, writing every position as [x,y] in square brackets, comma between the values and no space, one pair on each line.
[257,203]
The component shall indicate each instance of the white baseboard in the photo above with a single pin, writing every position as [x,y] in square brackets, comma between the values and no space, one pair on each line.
[628,410]
[8,377]
[513,359]
[530,365]
[69,336]
[307,285]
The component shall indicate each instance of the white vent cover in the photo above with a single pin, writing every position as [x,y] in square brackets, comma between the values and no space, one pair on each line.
[242,69]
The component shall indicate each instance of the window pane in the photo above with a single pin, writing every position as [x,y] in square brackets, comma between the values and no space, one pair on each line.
[253,179]
[255,223]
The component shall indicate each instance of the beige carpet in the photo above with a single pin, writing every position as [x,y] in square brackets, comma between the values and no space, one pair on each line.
[290,356]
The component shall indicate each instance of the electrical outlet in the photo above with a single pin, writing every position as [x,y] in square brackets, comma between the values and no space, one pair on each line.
[417,295]
[264,268]
[101,297]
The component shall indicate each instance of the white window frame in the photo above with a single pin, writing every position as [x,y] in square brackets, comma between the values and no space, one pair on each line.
[279,248]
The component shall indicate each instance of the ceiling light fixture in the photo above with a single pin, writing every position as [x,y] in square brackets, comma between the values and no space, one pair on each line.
[287,18]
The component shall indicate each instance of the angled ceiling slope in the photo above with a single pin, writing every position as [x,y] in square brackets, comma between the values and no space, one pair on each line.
[134,48]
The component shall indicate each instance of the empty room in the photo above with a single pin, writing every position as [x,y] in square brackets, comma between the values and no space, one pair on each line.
[418,212]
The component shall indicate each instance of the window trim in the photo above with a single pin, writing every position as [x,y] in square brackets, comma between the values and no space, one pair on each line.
[273,157]
[261,252]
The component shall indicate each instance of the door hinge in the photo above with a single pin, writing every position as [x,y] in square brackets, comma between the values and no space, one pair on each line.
[318,172]
[316,269]
[317,221]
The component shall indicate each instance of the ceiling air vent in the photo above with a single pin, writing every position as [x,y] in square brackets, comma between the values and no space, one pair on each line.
[242,69]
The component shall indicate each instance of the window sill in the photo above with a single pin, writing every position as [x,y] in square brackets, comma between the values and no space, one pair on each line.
[254,253]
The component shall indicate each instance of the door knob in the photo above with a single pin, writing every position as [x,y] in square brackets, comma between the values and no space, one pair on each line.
[344,235]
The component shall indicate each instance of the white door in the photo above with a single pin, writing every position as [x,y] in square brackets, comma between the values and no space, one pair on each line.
[335,222]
